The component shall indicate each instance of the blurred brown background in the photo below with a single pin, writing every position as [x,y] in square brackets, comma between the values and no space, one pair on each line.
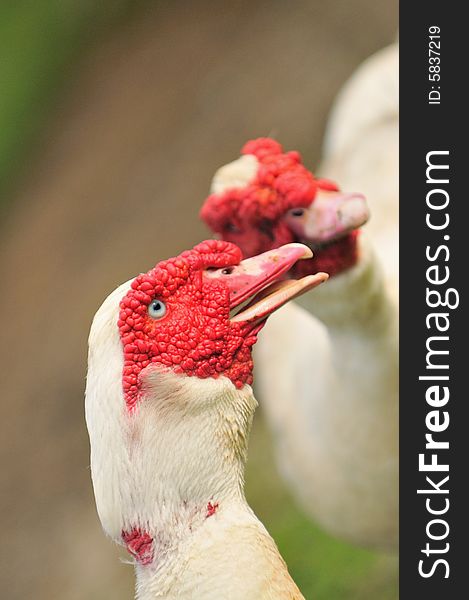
[152,99]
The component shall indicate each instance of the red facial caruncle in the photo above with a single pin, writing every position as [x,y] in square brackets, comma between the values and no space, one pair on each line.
[177,315]
[281,204]
[194,335]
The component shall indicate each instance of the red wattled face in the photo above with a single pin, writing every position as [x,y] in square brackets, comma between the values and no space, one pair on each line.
[261,215]
[173,318]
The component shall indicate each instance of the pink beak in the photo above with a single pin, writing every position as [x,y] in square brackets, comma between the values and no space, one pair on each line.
[330,216]
[263,273]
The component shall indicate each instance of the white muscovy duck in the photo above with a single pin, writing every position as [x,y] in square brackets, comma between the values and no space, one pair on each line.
[169,408]
[332,399]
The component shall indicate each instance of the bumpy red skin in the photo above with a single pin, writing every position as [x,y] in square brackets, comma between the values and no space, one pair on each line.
[195,337]
[252,217]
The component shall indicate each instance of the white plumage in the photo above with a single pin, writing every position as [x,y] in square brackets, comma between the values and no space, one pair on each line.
[331,394]
[327,372]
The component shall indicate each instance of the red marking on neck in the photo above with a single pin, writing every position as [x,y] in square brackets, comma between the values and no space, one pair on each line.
[139,544]
[211,509]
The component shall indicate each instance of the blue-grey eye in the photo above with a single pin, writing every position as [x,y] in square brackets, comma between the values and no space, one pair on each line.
[157,309]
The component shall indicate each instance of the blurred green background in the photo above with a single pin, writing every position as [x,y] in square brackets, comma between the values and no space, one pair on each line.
[113,117]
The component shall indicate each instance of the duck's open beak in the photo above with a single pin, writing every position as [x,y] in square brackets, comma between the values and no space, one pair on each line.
[331,215]
[257,282]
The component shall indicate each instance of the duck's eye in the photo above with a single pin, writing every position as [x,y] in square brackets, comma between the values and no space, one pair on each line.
[231,228]
[157,309]
[297,212]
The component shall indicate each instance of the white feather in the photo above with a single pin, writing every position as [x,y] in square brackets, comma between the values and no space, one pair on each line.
[330,389]
[327,372]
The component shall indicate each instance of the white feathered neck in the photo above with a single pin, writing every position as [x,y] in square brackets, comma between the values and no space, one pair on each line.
[174,468]
[184,445]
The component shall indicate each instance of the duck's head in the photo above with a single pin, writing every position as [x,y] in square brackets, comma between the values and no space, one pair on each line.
[163,348]
[180,314]
[267,198]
